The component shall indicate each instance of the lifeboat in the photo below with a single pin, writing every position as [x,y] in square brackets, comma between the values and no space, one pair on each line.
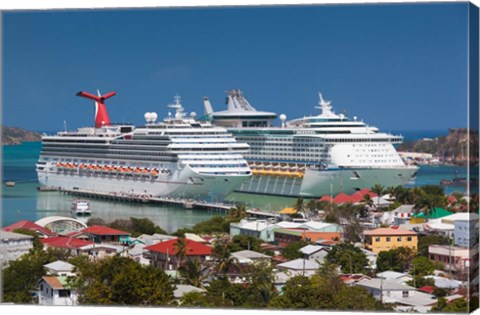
[81,166]
[154,172]
[59,164]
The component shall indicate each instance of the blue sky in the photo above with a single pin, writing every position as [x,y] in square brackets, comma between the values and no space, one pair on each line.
[397,66]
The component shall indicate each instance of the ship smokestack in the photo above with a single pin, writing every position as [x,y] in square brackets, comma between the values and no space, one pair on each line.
[101,115]
[207,106]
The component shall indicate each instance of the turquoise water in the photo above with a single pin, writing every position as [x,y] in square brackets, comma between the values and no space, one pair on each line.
[25,202]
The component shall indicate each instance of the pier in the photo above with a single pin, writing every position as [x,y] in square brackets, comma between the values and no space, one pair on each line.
[147,199]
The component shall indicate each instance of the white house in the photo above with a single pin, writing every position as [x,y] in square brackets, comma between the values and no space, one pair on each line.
[263,229]
[55,291]
[60,268]
[315,252]
[13,246]
[403,296]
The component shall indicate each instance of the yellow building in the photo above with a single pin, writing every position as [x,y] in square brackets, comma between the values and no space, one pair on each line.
[384,239]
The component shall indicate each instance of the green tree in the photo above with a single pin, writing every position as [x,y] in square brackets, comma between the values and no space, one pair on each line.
[122,225]
[21,276]
[350,258]
[96,221]
[237,213]
[193,272]
[223,258]
[122,281]
[422,266]
[292,250]
[424,241]
[194,299]
[325,291]
[397,259]
[242,242]
[378,190]
[457,306]
[181,250]
[141,226]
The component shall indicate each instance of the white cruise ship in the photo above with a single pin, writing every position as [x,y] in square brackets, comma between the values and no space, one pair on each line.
[311,156]
[179,157]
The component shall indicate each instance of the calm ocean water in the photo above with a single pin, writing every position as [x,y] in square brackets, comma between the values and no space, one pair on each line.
[25,202]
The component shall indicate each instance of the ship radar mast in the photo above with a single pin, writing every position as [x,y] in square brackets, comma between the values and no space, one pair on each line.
[179,111]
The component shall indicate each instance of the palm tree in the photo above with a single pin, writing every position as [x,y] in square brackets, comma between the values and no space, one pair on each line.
[182,249]
[224,259]
[192,272]
[264,293]
[378,190]
[238,212]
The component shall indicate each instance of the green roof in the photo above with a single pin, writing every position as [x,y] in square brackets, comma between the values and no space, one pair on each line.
[435,213]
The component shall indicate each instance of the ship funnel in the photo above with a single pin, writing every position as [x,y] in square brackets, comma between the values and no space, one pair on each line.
[101,115]
[207,106]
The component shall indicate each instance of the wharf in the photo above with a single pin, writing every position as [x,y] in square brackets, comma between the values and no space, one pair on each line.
[143,198]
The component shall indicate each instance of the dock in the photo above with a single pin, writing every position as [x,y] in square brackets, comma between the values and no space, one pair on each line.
[147,199]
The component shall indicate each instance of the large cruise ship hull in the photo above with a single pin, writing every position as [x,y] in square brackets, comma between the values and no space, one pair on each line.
[184,183]
[316,183]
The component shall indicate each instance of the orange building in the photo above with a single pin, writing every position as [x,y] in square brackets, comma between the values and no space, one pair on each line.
[285,236]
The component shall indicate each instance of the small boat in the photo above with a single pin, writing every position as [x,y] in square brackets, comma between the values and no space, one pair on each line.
[81,207]
[10,184]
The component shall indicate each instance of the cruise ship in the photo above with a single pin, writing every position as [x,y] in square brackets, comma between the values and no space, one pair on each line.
[178,157]
[313,156]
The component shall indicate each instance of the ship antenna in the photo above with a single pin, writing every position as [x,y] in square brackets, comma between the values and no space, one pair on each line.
[65,125]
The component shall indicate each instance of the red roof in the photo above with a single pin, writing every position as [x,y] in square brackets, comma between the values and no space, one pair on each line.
[170,247]
[325,198]
[427,289]
[65,242]
[342,198]
[103,230]
[28,225]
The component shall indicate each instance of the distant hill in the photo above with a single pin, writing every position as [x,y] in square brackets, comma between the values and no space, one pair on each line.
[13,135]
[449,149]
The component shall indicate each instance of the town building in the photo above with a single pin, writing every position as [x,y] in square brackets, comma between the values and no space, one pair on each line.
[164,254]
[248,257]
[30,226]
[315,252]
[431,214]
[264,229]
[301,266]
[104,234]
[283,237]
[13,246]
[55,291]
[77,247]
[402,214]
[403,296]
[60,268]
[384,239]
[460,261]
[61,225]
